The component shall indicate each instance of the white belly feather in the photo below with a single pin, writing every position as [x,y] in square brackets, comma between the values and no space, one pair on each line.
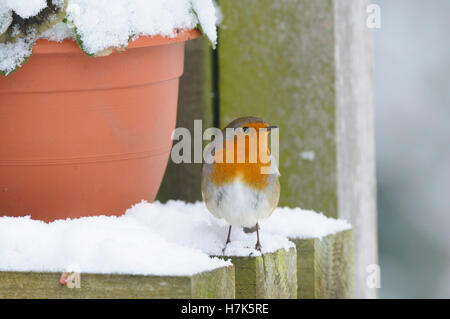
[239,204]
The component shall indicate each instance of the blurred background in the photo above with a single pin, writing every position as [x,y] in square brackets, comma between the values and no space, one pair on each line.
[412,106]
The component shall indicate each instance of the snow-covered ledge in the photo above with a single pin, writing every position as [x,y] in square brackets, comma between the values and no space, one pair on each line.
[160,245]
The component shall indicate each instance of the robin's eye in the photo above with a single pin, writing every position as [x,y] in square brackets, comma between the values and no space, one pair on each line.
[245,129]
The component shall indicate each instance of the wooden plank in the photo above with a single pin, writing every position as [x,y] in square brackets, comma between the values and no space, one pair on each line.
[272,276]
[183,181]
[325,267]
[355,135]
[218,283]
[276,61]
[306,66]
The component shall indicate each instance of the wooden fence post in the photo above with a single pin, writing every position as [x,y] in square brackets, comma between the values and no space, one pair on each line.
[356,186]
[305,66]
[271,276]
[325,266]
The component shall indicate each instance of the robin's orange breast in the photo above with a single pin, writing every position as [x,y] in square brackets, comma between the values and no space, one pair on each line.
[247,168]
[250,174]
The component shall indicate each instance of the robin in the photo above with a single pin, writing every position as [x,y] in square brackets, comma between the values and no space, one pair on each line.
[246,188]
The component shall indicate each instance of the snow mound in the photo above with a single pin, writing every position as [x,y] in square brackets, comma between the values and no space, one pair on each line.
[175,238]
[26,9]
[192,225]
[58,33]
[302,224]
[97,245]
[13,54]
[5,17]
[103,24]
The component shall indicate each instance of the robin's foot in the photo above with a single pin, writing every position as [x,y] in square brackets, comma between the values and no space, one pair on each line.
[224,248]
[258,243]
[227,242]
[258,248]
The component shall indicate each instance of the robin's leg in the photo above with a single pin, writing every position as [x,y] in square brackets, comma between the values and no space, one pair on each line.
[258,243]
[228,240]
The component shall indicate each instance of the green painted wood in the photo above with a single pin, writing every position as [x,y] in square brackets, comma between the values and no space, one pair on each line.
[183,181]
[272,276]
[276,61]
[325,267]
[214,284]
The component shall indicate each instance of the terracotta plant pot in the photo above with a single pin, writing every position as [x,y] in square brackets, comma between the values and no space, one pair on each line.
[83,136]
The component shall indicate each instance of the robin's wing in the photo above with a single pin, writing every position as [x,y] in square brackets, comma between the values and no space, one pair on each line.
[210,192]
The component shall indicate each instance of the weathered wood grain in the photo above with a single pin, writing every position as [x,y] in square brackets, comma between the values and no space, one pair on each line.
[272,276]
[356,186]
[213,284]
[325,267]
[276,61]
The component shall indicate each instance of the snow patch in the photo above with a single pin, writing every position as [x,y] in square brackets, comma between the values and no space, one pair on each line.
[302,224]
[13,54]
[193,226]
[5,17]
[58,33]
[97,245]
[104,24]
[174,239]
[207,15]
[308,155]
[26,8]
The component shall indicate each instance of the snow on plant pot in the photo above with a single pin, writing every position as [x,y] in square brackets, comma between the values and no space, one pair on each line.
[81,134]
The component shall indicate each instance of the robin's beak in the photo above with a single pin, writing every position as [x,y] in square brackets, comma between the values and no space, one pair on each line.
[271,127]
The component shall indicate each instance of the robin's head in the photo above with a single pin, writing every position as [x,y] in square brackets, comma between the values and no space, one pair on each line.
[250,125]
[249,136]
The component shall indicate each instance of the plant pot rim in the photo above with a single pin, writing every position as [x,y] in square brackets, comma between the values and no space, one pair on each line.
[43,46]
